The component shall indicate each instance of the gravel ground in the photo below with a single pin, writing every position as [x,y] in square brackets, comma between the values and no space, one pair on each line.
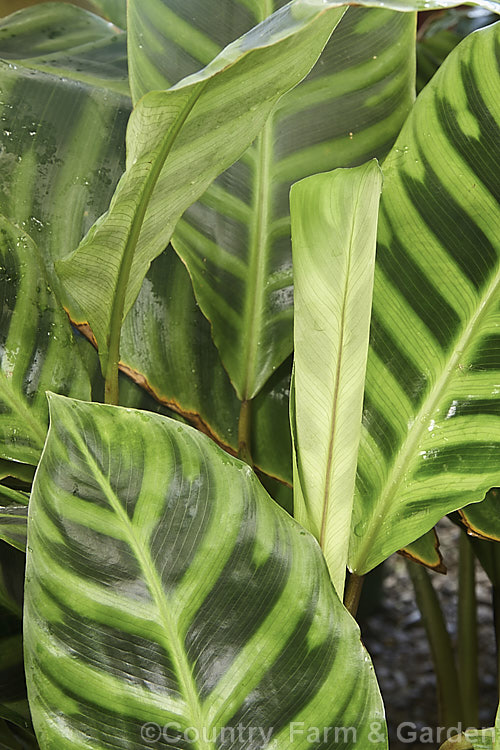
[395,637]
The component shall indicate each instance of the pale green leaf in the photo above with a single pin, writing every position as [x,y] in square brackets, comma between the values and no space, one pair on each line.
[334,228]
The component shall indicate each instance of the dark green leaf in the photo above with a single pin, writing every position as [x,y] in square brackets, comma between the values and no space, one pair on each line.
[37,350]
[13,524]
[59,164]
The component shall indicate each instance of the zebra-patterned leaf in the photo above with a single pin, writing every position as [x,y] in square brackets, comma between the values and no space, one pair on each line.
[166,347]
[37,349]
[334,230]
[13,525]
[431,437]
[236,240]
[67,41]
[59,163]
[178,141]
[168,594]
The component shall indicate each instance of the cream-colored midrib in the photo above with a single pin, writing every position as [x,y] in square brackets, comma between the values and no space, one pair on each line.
[175,651]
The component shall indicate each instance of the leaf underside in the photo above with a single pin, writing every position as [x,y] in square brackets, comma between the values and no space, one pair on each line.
[235,240]
[334,229]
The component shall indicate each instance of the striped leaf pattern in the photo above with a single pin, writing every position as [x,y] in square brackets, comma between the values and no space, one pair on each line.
[37,350]
[431,438]
[235,240]
[12,495]
[65,40]
[334,230]
[13,525]
[138,609]
[167,348]
[178,141]
[60,162]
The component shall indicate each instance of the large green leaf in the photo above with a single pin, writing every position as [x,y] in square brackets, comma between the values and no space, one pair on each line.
[37,350]
[167,348]
[334,230]
[236,239]
[431,424]
[178,141]
[62,122]
[139,610]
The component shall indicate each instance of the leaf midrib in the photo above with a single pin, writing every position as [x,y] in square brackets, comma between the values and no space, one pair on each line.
[179,658]
[406,453]
[127,258]
[258,253]
[333,423]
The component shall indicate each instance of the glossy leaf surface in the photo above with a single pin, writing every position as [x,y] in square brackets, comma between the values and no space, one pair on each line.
[65,40]
[483,518]
[334,230]
[59,164]
[139,610]
[235,240]
[178,141]
[431,422]
[13,525]
[37,349]
[167,348]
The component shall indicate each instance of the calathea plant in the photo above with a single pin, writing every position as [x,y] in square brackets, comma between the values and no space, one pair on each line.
[168,600]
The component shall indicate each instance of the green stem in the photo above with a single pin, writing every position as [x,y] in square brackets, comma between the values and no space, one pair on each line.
[353,593]
[245,432]
[111,390]
[467,633]
[450,699]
